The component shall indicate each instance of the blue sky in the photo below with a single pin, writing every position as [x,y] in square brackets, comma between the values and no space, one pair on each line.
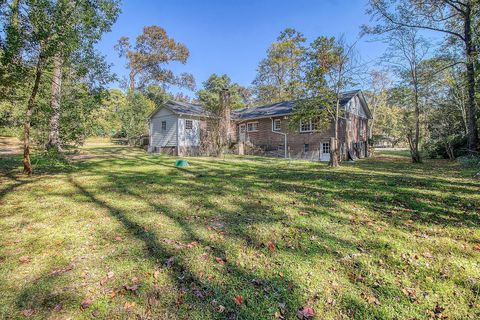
[228,36]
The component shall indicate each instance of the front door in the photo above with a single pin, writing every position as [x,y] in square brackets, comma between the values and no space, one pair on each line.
[241,132]
[325,151]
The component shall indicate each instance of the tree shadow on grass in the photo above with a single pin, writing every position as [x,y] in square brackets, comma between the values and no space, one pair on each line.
[43,295]
[272,289]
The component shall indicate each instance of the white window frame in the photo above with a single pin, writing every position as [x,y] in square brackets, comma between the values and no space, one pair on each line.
[164,126]
[277,125]
[188,127]
[325,146]
[252,123]
[313,125]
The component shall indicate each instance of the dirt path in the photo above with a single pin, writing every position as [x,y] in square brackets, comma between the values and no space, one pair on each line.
[10,145]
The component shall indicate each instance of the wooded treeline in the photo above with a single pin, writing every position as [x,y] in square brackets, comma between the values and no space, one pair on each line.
[423,93]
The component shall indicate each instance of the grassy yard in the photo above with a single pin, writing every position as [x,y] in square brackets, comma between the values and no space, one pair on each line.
[122,234]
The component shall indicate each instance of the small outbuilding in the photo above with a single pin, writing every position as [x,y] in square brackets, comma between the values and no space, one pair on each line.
[175,128]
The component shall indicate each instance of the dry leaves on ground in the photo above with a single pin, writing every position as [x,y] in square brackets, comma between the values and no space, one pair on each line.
[238,300]
[305,313]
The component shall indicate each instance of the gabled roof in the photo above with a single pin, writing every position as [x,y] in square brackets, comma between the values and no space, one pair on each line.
[286,107]
[271,110]
[182,108]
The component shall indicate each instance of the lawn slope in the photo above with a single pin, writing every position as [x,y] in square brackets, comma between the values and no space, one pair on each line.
[122,234]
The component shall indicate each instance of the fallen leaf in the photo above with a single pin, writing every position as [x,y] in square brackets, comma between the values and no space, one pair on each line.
[118,238]
[58,307]
[24,259]
[271,246]
[133,287]
[305,313]
[28,312]
[427,255]
[156,274]
[238,300]
[476,247]
[410,292]
[438,312]
[129,305]
[110,274]
[221,309]
[370,299]
[62,270]
[110,292]
[103,281]
[219,260]
[192,244]
[86,303]
[95,313]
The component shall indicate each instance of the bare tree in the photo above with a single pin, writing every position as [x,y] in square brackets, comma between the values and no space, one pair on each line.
[405,53]
[453,18]
[331,66]
[379,82]
[340,77]
[54,133]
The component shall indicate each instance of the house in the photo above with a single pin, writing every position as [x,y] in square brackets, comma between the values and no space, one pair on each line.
[175,128]
[178,128]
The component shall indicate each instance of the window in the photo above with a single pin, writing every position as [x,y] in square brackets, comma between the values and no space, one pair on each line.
[305,126]
[306,147]
[326,147]
[188,124]
[242,128]
[164,125]
[277,125]
[252,126]
[309,125]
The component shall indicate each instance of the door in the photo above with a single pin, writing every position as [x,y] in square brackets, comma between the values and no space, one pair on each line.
[325,151]
[241,132]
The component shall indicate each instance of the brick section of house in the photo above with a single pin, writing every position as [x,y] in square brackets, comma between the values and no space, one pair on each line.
[273,143]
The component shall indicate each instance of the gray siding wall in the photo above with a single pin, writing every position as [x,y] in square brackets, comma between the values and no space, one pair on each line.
[191,137]
[355,107]
[163,138]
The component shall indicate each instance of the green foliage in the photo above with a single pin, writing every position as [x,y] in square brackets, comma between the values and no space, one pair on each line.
[321,58]
[147,59]
[36,32]
[279,75]
[123,116]
[134,114]
[209,96]
[105,120]
[470,161]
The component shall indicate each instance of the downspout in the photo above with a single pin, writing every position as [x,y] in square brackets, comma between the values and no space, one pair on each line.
[285,137]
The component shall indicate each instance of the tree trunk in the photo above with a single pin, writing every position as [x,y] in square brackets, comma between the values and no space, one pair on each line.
[415,153]
[27,166]
[334,154]
[54,135]
[472,113]
[132,81]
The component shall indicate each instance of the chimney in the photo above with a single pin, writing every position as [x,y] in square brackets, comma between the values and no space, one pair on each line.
[226,112]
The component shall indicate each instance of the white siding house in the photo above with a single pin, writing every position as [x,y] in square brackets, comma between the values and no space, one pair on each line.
[175,128]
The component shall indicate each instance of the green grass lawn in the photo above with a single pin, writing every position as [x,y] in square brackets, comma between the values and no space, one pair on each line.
[122,234]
